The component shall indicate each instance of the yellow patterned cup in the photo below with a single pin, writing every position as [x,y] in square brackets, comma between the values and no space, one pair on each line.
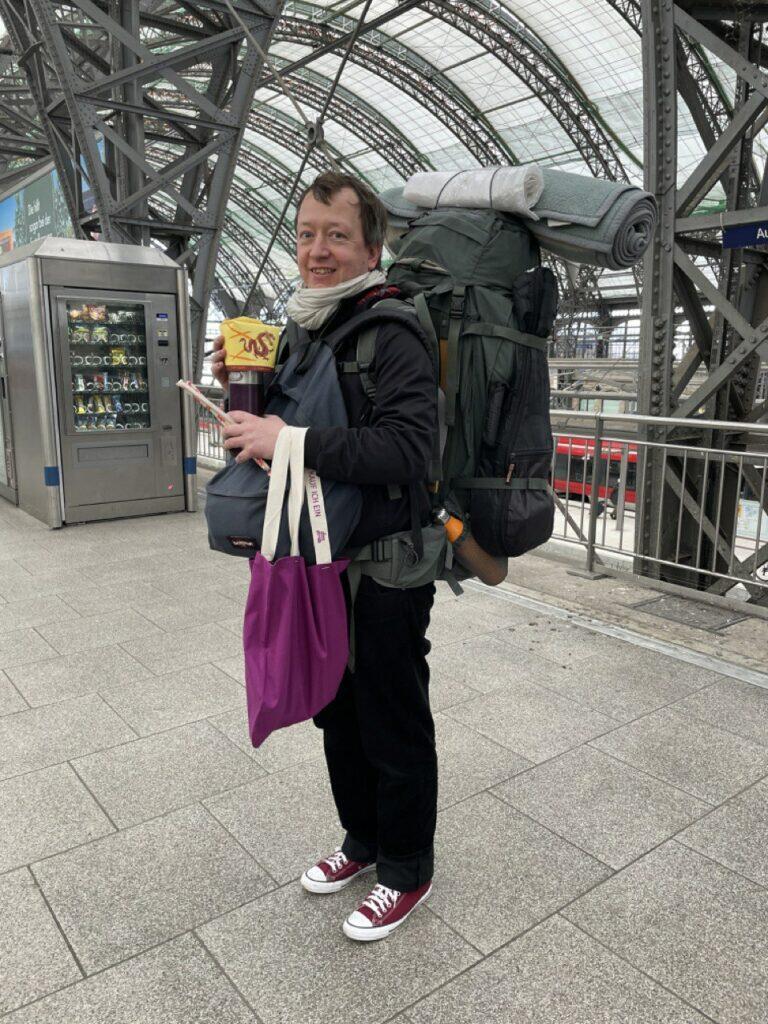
[249,344]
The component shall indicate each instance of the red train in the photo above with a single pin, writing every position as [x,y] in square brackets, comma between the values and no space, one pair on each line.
[574,460]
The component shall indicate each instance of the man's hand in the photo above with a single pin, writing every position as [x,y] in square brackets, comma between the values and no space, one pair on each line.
[256,435]
[218,369]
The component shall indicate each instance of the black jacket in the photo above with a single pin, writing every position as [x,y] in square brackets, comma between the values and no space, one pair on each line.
[389,441]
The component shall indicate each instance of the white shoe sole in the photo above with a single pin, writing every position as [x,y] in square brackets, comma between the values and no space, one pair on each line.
[372,934]
[312,886]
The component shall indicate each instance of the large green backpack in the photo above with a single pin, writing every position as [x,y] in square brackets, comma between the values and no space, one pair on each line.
[485,306]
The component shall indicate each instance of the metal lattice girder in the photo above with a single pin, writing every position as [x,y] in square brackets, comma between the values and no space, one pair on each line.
[396,63]
[699,86]
[370,125]
[240,251]
[107,60]
[728,344]
[22,143]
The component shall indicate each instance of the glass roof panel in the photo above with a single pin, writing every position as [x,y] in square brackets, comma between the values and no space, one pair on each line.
[487,82]
[592,40]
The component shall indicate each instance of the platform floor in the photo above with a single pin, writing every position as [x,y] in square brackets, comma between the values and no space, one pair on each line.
[602,847]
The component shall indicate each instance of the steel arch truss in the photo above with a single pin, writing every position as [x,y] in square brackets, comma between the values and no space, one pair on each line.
[22,142]
[106,59]
[394,62]
[506,38]
[371,126]
[726,346]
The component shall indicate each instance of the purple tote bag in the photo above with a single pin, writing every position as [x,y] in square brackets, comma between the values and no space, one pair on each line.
[295,633]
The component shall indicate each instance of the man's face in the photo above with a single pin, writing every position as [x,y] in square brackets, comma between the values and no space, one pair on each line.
[330,247]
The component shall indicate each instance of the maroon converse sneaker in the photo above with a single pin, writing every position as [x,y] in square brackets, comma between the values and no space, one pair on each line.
[334,872]
[382,911]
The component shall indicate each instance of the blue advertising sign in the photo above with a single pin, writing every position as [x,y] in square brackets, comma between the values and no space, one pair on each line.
[744,235]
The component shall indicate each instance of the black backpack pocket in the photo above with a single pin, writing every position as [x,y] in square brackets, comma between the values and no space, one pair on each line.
[511,517]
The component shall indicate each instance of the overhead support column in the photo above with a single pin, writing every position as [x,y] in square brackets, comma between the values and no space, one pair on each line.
[727,343]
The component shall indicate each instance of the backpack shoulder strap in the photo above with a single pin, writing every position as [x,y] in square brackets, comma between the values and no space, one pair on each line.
[366,326]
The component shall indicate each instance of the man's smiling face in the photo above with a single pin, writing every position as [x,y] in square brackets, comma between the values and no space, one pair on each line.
[330,245]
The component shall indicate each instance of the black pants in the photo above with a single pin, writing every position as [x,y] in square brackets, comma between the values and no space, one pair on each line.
[379,737]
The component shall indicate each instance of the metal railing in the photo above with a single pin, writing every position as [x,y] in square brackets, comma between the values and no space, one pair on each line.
[606,526]
[209,440]
[598,482]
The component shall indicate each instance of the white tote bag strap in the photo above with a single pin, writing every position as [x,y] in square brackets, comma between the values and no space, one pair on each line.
[289,454]
[273,512]
[307,481]
[318,521]
[296,495]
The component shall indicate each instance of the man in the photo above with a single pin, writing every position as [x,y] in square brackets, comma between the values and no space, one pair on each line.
[378,732]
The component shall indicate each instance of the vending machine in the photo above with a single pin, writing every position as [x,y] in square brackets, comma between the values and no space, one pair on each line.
[93,338]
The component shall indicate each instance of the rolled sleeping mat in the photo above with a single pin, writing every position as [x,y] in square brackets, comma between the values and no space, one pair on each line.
[588,220]
[515,189]
[582,219]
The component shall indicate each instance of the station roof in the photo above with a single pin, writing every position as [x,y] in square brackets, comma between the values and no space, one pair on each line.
[450,85]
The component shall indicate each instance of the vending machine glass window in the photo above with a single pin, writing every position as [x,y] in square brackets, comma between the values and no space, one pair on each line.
[108,362]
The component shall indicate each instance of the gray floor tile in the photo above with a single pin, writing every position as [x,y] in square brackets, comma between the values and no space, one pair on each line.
[137,570]
[96,631]
[529,873]
[93,599]
[234,667]
[283,749]
[10,572]
[174,984]
[558,641]
[34,612]
[449,624]
[43,584]
[553,975]
[288,820]
[45,682]
[23,646]
[531,720]
[148,777]
[699,929]
[733,705]
[627,684]
[34,957]
[236,589]
[468,762]
[444,691]
[736,834]
[229,581]
[699,758]
[604,807]
[169,652]
[11,700]
[62,560]
[269,947]
[35,739]
[479,665]
[193,610]
[45,812]
[146,884]
[155,703]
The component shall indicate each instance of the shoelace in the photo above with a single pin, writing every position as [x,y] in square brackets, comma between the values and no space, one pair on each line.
[337,860]
[380,899]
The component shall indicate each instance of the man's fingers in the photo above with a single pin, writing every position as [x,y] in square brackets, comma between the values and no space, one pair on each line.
[218,343]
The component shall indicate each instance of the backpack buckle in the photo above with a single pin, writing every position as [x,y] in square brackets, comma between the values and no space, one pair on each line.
[378,550]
